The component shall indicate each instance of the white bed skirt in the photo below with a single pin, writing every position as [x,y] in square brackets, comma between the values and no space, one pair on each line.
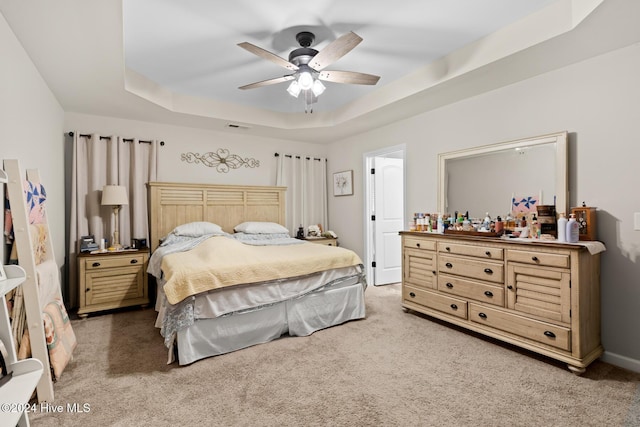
[301,316]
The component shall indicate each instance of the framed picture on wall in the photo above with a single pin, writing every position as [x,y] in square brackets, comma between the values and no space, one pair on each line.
[343,183]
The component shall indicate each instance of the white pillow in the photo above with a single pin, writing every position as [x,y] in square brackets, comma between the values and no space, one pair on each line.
[197,229]
[254,227]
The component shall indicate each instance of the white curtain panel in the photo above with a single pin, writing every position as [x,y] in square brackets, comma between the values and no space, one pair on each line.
[99,161]
[306,198]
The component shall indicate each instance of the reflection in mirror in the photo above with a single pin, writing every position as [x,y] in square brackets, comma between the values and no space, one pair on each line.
[487,178]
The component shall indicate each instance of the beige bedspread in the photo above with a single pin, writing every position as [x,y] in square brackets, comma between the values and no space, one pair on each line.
[220,262]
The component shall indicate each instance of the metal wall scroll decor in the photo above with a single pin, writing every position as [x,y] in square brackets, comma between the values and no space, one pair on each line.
[222,160]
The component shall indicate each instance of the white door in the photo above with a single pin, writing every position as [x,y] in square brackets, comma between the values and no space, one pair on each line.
[389,219]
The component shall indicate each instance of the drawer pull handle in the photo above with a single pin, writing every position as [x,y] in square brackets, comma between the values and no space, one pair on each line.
[96,264]
[434,272]
[488,253]
[453,306]
[509,287]
[417,245]
[412,294]
[448,249]
[549,334]
[488,271]
[87,290]
[449,265]
[450,285]
[482,315]
[134,261]
[534,258]
[488,293]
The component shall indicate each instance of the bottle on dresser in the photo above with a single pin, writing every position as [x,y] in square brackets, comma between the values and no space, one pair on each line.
[562,228]
[573,230]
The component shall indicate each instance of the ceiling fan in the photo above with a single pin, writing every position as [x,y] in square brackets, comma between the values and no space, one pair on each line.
[308,66]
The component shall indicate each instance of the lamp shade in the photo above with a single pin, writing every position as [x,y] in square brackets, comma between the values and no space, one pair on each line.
[113,195]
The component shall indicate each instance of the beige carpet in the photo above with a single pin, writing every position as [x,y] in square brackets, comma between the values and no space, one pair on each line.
[390,369]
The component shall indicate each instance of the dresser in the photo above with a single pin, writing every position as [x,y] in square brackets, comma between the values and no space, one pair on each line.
[112,280]
[541,296]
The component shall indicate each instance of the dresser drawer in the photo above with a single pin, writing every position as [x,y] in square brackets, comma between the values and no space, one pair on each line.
[475,251]
[471,267]
[453,306]
[418,243]
[539,258]
[113,261]
[483,292]
[545,333]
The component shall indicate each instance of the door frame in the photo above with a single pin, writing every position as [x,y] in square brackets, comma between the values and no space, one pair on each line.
[369,242]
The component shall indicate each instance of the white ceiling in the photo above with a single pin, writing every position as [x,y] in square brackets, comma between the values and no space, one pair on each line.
[177,61]
[190,46]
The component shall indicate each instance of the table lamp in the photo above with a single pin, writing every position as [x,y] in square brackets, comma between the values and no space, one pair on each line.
[116,196]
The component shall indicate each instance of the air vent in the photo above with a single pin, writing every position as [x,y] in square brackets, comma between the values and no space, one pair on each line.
[237,126]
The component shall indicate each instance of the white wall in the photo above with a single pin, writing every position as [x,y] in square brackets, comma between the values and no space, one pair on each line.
[31,129]
[180,140]
[597,101]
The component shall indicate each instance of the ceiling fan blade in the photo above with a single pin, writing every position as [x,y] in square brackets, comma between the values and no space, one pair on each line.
[349,77]
[265,54]
[335,50]
[267,82]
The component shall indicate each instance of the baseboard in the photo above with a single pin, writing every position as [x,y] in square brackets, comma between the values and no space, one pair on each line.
[621,361]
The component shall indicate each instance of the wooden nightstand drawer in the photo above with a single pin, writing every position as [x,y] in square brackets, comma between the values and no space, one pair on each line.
[323,241]
[113,261]
[112,280]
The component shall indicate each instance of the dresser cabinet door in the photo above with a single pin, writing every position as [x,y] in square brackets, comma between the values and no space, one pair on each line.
[543,292]
[420,268]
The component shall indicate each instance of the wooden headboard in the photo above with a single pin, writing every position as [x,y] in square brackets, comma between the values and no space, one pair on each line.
[172,204]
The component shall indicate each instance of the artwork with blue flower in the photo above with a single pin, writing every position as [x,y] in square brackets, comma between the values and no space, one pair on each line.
[524,204]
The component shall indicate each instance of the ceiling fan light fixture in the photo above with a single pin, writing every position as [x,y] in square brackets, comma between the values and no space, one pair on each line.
[305,80]
[318,88]
[294,89]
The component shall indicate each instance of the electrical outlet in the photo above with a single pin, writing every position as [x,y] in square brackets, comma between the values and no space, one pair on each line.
[636,221]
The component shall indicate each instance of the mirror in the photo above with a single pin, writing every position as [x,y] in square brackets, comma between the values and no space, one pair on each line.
[485,179]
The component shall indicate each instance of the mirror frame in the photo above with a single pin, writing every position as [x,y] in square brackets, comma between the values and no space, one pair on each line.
[561,164]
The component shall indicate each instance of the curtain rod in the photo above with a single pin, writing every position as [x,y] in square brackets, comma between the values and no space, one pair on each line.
[123,139]
[298,157]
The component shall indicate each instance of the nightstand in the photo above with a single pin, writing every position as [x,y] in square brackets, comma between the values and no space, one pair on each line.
[109,280]
[328,241]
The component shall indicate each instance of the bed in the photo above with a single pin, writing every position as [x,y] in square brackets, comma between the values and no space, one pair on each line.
[228,277]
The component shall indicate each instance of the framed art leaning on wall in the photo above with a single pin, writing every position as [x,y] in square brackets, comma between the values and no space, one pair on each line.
[343,183]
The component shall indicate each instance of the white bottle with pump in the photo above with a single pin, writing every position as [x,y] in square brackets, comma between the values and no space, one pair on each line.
[562,228]
[573,230]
